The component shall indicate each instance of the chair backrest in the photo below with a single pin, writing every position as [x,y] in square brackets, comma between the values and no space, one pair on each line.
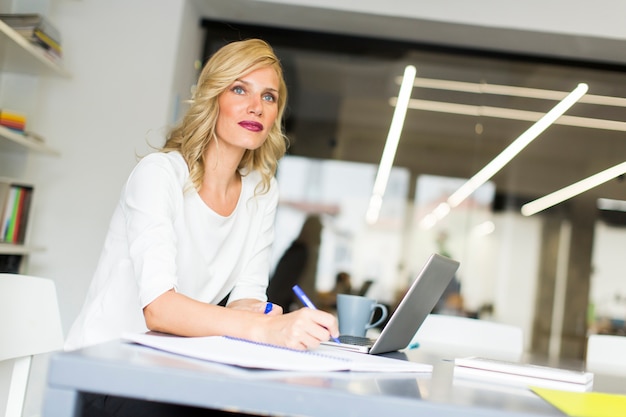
[454,336]
[30,324]
[606,354]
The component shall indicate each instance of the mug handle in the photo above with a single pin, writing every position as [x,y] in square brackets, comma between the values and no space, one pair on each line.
[384,312]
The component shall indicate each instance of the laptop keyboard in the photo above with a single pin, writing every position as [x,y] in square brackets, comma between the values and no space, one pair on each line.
[356,340]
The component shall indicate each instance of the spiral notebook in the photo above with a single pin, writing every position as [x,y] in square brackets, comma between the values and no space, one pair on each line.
[248,354]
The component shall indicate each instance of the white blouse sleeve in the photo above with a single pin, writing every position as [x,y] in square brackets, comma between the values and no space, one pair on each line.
[151,199]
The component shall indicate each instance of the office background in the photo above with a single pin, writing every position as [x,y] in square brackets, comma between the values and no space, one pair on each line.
[132,64]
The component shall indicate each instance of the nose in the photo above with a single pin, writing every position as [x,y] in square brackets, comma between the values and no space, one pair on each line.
[255,106]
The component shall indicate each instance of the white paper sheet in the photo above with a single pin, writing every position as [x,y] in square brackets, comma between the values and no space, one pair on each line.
[249,354]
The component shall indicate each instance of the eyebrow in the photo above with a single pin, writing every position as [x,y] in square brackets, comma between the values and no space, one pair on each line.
[272,89]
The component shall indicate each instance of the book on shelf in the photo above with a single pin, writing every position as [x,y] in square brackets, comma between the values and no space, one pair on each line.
[13,120]
[20,233]
[37,29]
[6,205]
[15,203]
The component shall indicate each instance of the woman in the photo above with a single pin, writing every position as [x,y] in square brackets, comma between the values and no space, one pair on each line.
[195,221]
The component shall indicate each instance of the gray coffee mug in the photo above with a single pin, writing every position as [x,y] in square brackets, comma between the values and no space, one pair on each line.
[355,314]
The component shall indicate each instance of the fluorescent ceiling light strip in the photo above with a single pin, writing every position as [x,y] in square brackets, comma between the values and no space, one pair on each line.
[484,228]
[610,204]
[428,222]
[516,146]
[511,114]
[393,137]
[514,91]
[604,100]
[442,210]
[591,123]
[570,191]
[484,88]
[391,144]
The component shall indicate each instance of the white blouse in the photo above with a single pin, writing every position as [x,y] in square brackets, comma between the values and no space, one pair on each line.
[163,236]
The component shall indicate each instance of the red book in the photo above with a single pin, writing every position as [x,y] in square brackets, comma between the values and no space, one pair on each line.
[13,125]
[23,220]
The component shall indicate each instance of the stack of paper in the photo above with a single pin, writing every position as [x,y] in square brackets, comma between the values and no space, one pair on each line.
[248,354]
[521,374]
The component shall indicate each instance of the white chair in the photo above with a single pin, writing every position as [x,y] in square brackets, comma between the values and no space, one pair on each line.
[606,354]
[453,336]
[30,324]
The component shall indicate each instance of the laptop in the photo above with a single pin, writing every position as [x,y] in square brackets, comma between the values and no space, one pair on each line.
[415,306]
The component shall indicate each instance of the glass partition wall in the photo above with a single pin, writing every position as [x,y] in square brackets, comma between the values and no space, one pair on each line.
[557,273]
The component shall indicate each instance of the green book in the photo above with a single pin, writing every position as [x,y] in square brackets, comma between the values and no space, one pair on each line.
[14,214]
[8,203]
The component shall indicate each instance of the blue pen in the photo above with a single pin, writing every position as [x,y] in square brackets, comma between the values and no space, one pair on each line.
[307,302]
[268,307]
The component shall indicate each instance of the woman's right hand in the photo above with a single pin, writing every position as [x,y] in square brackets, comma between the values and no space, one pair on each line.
[301,329]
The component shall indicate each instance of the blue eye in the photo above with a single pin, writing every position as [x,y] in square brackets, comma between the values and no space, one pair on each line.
[238,89]
[269,97]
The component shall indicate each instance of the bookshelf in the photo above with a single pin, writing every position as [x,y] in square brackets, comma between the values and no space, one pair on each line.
[21,57]
[10,141]
[16,198]
[10,249]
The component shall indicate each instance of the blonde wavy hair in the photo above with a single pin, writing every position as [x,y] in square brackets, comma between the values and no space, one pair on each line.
[197,128]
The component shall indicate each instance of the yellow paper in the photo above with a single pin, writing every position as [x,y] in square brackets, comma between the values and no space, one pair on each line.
[585,404]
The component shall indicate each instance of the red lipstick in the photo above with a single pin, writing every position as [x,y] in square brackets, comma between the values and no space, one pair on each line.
[252,126]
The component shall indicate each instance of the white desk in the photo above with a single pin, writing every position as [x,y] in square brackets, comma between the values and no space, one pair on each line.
[134,371]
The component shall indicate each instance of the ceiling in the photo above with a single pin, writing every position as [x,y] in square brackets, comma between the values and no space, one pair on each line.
[339,108]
